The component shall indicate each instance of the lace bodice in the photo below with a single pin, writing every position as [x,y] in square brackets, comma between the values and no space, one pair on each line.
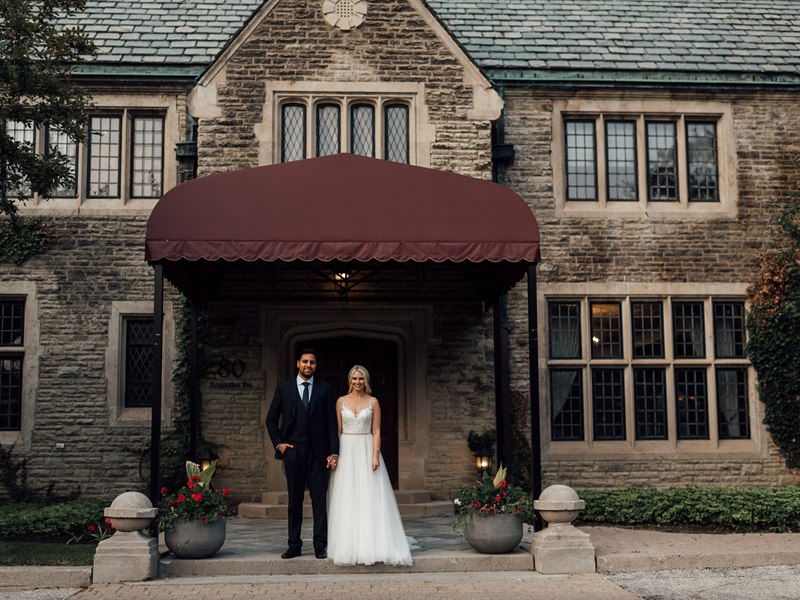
[360,423]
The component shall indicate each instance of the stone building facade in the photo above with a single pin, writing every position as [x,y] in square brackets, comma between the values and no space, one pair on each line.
[614,411]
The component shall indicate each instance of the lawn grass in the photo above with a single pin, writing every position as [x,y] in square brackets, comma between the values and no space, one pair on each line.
[13,553]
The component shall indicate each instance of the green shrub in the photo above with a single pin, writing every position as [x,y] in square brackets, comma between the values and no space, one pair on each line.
[57,520]
[738,509]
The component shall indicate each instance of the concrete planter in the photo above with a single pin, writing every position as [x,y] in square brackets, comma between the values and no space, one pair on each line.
[194,539]
[495,534]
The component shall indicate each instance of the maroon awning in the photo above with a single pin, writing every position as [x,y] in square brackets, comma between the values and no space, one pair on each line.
[342,207]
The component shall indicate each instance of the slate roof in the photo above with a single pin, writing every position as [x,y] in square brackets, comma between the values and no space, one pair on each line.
[532,38]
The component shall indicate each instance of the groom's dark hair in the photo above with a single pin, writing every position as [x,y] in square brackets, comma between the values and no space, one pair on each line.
[305,351]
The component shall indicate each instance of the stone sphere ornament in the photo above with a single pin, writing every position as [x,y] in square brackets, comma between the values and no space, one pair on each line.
[131,511]
[559,505]
[344,14]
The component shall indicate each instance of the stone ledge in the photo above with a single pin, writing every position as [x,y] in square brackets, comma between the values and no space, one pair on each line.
[34,577]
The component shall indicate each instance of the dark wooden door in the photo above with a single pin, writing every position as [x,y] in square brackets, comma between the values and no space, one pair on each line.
[335,357]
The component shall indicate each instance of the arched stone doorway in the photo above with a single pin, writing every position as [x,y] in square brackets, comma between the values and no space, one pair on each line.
[335,357]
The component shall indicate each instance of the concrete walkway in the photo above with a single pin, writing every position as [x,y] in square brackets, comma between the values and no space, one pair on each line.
[250,565]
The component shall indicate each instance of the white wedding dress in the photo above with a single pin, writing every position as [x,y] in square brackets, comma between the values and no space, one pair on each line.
[364,525]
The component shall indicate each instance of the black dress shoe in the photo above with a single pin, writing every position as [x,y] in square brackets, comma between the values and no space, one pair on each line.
[320,553]
[291,553]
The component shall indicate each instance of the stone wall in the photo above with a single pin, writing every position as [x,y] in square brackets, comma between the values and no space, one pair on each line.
[294,43]
[91,263]
[611,249]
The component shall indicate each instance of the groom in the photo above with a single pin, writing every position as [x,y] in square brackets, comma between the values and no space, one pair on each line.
[301,422]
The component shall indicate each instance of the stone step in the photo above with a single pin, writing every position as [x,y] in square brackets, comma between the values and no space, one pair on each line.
[256,510]
[271,564]
[402,496]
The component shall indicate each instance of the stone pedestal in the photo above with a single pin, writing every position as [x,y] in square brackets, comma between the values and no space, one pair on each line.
[128,555]
[561,548]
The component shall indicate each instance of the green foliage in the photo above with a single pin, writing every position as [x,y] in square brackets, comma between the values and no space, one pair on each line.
[58,519]
[36,59]
[739,509]
[196,500]
[21,238]
[481,442]
[491,496]
[45,554]
[773,327]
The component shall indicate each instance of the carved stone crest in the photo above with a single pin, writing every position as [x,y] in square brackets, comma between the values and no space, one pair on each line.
[344,14]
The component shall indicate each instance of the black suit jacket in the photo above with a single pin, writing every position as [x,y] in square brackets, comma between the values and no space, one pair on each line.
[323,429]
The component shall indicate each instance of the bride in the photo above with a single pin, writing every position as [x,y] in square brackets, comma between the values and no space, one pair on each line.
[364,525]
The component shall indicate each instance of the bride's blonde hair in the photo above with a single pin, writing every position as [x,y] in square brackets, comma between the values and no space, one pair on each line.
[364,372]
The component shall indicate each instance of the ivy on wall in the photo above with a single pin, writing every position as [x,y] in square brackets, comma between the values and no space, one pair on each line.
[21,238]
[773,327]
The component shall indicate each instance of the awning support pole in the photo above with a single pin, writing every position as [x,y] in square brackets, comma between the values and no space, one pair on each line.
[193,382]
[502,387]
[533,354]
[155,417]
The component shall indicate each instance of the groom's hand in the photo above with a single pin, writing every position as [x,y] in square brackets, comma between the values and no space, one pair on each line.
[282,448]
[332,460]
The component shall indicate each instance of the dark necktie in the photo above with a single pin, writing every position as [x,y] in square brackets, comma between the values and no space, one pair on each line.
[306,396]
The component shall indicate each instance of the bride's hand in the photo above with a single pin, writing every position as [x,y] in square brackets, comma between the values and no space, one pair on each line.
[376,462]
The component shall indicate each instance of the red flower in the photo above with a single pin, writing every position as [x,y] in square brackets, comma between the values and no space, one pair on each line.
[163,490]
[497,498]
[503,483]
[225,491]
[505,493]
[190,485]
[197,497]
[194,478]
[90,527]
[180,498]
[109,523]
[203,519]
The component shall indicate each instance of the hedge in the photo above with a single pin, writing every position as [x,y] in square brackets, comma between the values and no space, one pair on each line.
[737,509]
[60,519]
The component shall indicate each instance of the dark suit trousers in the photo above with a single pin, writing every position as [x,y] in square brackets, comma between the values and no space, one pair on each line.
[302,468]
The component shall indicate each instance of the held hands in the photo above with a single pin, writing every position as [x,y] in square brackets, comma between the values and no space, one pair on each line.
[332,460]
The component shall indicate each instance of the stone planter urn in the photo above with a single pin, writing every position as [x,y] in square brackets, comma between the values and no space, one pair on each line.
[195,539]
[494,534]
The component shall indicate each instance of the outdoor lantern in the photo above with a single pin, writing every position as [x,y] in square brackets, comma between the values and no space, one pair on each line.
[483,461]
[206,457]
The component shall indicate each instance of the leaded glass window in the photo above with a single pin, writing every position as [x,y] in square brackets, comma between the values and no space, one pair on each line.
[734,421]
[650,398]
[293,132]
[104,156]
[621,160]
[662,160]
[12,320]
[701,148]
[396,133]
[565,329]
[729,329]
[328,136]
[691,400]
[362,130]
[566,404]
[608,404]
[138,383]
[10,393]
[25,135]
[648,330]
[606,330]
[147,162]
[688,330]
[60,141]
[581,160]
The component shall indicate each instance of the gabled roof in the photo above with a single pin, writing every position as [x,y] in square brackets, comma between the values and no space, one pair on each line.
[752,40]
